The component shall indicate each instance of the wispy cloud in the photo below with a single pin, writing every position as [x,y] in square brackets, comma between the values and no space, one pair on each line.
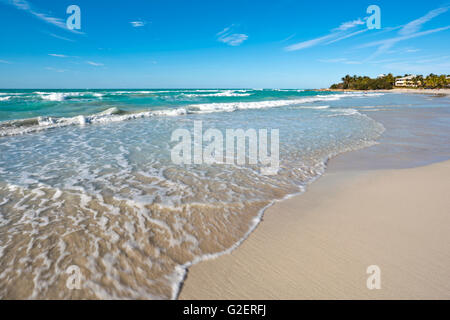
[309,43]
[415,25]
[336,34]
[138,24]
[58,55]
[347,36]
[60,37]
[225,30]
[288,38]
[95,64]
[26,6]
[349,24]
[408,31]
[386,44]
[5,62]
[233,39]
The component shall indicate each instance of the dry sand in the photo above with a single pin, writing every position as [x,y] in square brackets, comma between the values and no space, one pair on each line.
[444,91]
[318,245]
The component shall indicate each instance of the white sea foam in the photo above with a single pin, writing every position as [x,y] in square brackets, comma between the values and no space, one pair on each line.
[13,93]
[61,96]
[114,114]
[313,107]
[110,115]
[227,93]
[344,112]
[234,106]
[55,96]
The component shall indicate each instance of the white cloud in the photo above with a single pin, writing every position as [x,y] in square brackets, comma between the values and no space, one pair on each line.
[59,37]
[336,34]
[408,31]
[347,36]
[138,24]
[350,24]
[95,64]
[58,55]
[230,38]
[234,39]
[225,30]
[388,43]
[415,25]
[26,6]
[309,43]
[4,61]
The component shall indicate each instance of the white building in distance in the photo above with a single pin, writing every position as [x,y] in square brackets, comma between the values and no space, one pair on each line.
[407,81]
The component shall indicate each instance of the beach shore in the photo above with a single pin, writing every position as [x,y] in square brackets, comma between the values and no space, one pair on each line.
[318,245]
[421,91]
[444,91]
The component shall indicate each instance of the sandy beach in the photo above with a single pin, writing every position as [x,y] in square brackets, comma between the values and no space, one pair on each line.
[444,91]
[318,245]
[422,91]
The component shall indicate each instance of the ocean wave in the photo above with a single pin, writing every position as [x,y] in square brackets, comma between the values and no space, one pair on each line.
[312,107]
[23,126]
[227,93]
[57,96]
[344,112]
[234,106]
[17,127]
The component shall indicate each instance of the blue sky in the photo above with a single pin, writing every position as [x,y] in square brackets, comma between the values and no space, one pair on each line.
[211,43]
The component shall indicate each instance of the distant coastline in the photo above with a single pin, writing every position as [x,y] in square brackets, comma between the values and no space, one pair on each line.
[407,83]
[444,91]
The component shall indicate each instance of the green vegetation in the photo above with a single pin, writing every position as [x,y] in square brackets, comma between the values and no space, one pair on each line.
[431,81]
[365,83]
[435,81]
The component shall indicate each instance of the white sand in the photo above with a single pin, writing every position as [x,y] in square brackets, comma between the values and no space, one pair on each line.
[319,244]
[445,91]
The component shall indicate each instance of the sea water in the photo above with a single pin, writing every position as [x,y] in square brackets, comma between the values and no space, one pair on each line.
[87,180]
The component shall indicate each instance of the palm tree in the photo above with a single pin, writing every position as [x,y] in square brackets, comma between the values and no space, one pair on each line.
[346,81]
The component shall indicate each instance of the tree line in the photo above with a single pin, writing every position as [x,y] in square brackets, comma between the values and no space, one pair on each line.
[432,81]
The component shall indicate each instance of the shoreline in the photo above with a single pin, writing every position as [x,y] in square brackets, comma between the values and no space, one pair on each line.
[318,245]
[444,91]
[270,264]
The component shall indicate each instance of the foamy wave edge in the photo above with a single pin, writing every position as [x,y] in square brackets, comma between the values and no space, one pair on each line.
[32,125]
[179,276]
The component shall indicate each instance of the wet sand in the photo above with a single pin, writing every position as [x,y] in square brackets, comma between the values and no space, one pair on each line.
[386,205]
[318,245]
